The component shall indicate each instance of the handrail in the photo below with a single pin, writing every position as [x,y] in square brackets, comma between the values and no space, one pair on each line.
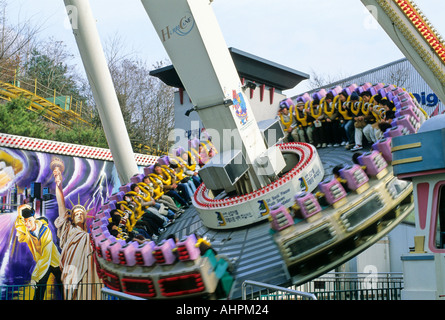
[106,292]
[275,288]
[40,94]
[360,275]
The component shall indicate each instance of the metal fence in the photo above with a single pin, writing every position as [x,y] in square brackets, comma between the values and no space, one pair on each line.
[87,291]
[108,294]
[331,286]
[253,290]
[355,286]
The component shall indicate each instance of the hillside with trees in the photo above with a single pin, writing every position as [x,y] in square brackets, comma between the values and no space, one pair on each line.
[45,68]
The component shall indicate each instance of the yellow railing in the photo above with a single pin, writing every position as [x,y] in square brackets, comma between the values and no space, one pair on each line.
[55,106]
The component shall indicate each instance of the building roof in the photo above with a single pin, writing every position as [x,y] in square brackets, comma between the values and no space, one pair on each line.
[249,67]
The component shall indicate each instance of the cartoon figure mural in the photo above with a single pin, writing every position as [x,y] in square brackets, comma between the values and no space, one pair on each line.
[36,234]
[47,205]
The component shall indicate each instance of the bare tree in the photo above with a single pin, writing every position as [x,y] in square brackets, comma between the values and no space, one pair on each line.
[16,40]
[399,76]
[318,81]
[147,104]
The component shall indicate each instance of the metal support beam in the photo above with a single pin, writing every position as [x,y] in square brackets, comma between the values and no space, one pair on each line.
[402,30]
[98,73]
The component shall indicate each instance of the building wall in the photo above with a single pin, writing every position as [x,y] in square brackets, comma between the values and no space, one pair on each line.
[264,105]
[402,74]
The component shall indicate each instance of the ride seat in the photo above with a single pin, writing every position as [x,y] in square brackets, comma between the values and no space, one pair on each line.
[163,253]
[304,98]
[388,87]
[179,151]
[352,87]
[366,85]
[280,218]
[137,178]
[118,196]
[336,90]
[373,91]
[125,188]
[108,206]
[187,249]
[113,250]
[384,147]
[287,102]
[164,161]
[149,170]
[102,247]
[319,94]
[194,143]
[378,86]
[127,254]
[308,204]
[98,237]
[373,161]
[407,111]
[333,190]
[105,213]
[355,176]
[408,122]
[144,254]
[407,102]
[394,131]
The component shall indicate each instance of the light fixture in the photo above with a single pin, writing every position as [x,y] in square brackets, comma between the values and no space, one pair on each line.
[250,85]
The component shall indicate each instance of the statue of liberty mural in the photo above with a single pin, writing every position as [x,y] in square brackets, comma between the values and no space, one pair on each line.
[76,259]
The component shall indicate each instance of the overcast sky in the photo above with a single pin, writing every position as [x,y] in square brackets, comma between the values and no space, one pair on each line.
[329,37]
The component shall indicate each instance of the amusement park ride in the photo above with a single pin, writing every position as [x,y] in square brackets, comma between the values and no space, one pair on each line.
[261,178]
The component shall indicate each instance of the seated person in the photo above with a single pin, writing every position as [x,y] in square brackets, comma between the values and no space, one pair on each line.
[336,173]
[319,133]
[149,214]
[146,200]
[288,123]
[190,168]
[370,117]
[204,156]
[355,157]
[305,123]
[147,187]
[333,128]
[182,177]
[359,121]
[346,120]
[171,187]
[119,231]
[387,115]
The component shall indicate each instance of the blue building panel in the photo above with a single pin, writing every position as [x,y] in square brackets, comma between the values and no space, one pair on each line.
[419,152]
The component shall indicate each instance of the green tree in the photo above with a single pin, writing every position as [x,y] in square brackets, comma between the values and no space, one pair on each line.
[52,73]
[17,119]
[83,135]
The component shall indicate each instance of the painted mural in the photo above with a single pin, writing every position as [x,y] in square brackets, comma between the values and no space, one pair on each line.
[47,205]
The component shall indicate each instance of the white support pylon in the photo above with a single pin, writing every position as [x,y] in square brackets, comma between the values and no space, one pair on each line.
[99,77]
